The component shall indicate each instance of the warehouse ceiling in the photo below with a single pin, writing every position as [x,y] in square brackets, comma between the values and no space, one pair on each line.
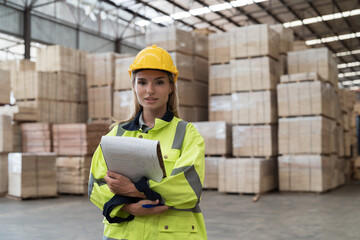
[334,24]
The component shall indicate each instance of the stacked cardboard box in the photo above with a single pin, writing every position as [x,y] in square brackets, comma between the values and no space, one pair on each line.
[32,175]
[36,137]
[6,146]
[75,144]
[308,130]
[189,52]
[100,82]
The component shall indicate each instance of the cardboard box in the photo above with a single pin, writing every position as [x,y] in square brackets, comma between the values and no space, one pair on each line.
[36,137]
[122,104]
[311,173]
[211,172]
[72,174]
[255,141]
[254,74]
[201,45]
[247,175]
[307,135]
[6,134]
[5,87]
[286,38]
[217,136]
[122,77]
[318,60]
[254,107]
[100,102]
[254,41]
[219,47]
[220,108]
[32,175]
[219,79]
[77,139]
[171,39]
[306,98]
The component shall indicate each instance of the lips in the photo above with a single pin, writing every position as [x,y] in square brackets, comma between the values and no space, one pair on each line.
[151,99]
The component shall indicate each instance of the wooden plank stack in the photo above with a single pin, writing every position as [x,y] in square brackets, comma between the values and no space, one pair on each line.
[309,127]
[6,146]
[36,137]
[32,175]
[189,52]
[74,144]
[100,83]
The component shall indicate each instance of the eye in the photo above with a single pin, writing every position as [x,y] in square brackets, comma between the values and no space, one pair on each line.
[141,82]
[159,82]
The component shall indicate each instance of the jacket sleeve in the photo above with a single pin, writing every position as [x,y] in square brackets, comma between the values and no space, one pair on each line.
[98,191]
[182,189]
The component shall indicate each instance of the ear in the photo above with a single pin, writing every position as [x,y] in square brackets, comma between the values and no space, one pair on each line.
[171,89]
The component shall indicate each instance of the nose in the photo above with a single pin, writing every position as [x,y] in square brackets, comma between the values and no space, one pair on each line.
[150,88]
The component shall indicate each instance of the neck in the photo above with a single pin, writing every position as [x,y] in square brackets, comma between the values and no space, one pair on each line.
[149,116]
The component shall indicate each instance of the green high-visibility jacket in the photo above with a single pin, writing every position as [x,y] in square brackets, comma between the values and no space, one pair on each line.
[182,148]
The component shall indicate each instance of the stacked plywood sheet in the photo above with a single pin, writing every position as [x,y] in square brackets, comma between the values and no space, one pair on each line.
[77,139]
[5,87]
[247,175]
[189,52]
[220,108]
[211,179]
[32,175]
[36,137]
[219,48]
[72,174]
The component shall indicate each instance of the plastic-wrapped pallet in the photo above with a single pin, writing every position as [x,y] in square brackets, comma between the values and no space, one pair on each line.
[32,175]
[36,137]
[220,108]
[211,179]
[220,79]
[122,77]
[247,175]
[219,48]
[217,136]
[100,102]
[254,41]
[122,104]
[201,45]
[286,38]
[6,134]
[185,64]
[255,141]
[254,74]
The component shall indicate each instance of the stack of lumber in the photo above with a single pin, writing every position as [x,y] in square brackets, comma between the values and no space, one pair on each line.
[189,52]
[6,146]
[32,175]
[309,127]
[56,91]
[75,144]
[100,84]
[36,137]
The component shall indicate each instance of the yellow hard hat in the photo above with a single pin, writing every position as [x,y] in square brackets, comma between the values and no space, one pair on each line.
[154,58]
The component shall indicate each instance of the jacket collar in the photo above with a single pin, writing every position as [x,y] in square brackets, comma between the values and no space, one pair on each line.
[159,123]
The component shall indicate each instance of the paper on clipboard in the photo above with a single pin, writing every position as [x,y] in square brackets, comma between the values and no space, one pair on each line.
[133,157]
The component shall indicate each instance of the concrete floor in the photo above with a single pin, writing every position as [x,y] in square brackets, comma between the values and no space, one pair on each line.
[332,216]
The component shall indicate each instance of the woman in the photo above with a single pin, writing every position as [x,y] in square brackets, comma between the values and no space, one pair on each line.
[146,209]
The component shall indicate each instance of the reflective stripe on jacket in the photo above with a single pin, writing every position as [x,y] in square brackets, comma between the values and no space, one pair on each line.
[182,148]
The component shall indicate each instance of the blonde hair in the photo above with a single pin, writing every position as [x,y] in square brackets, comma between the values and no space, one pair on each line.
[172,104]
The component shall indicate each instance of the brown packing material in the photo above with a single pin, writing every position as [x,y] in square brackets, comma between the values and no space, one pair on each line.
[185,64]
[253,41]
[59,58]
[219,79]
[247,175]
[36,137]
[32,175]
[3,174]
[77,139]
[5,87]
[254,74]
[307,135]
[201,69]
[318,60]
[312,173]
[286,38]
[254,141]
[170,39]
[6,134]
[254,107]
[211,172]
[219,48]
[201,45]
[100,68]
[217,136]
[306,98]
[193,114]
[100,102]
[72,174]
[122,77]
[220,108]
[122,104]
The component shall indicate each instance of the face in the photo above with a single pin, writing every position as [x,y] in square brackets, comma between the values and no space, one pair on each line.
[152,88]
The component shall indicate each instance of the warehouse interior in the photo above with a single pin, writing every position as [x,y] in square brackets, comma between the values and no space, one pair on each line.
[273,87]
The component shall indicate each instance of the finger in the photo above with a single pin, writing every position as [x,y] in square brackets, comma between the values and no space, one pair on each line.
[112,174]
[149,202]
